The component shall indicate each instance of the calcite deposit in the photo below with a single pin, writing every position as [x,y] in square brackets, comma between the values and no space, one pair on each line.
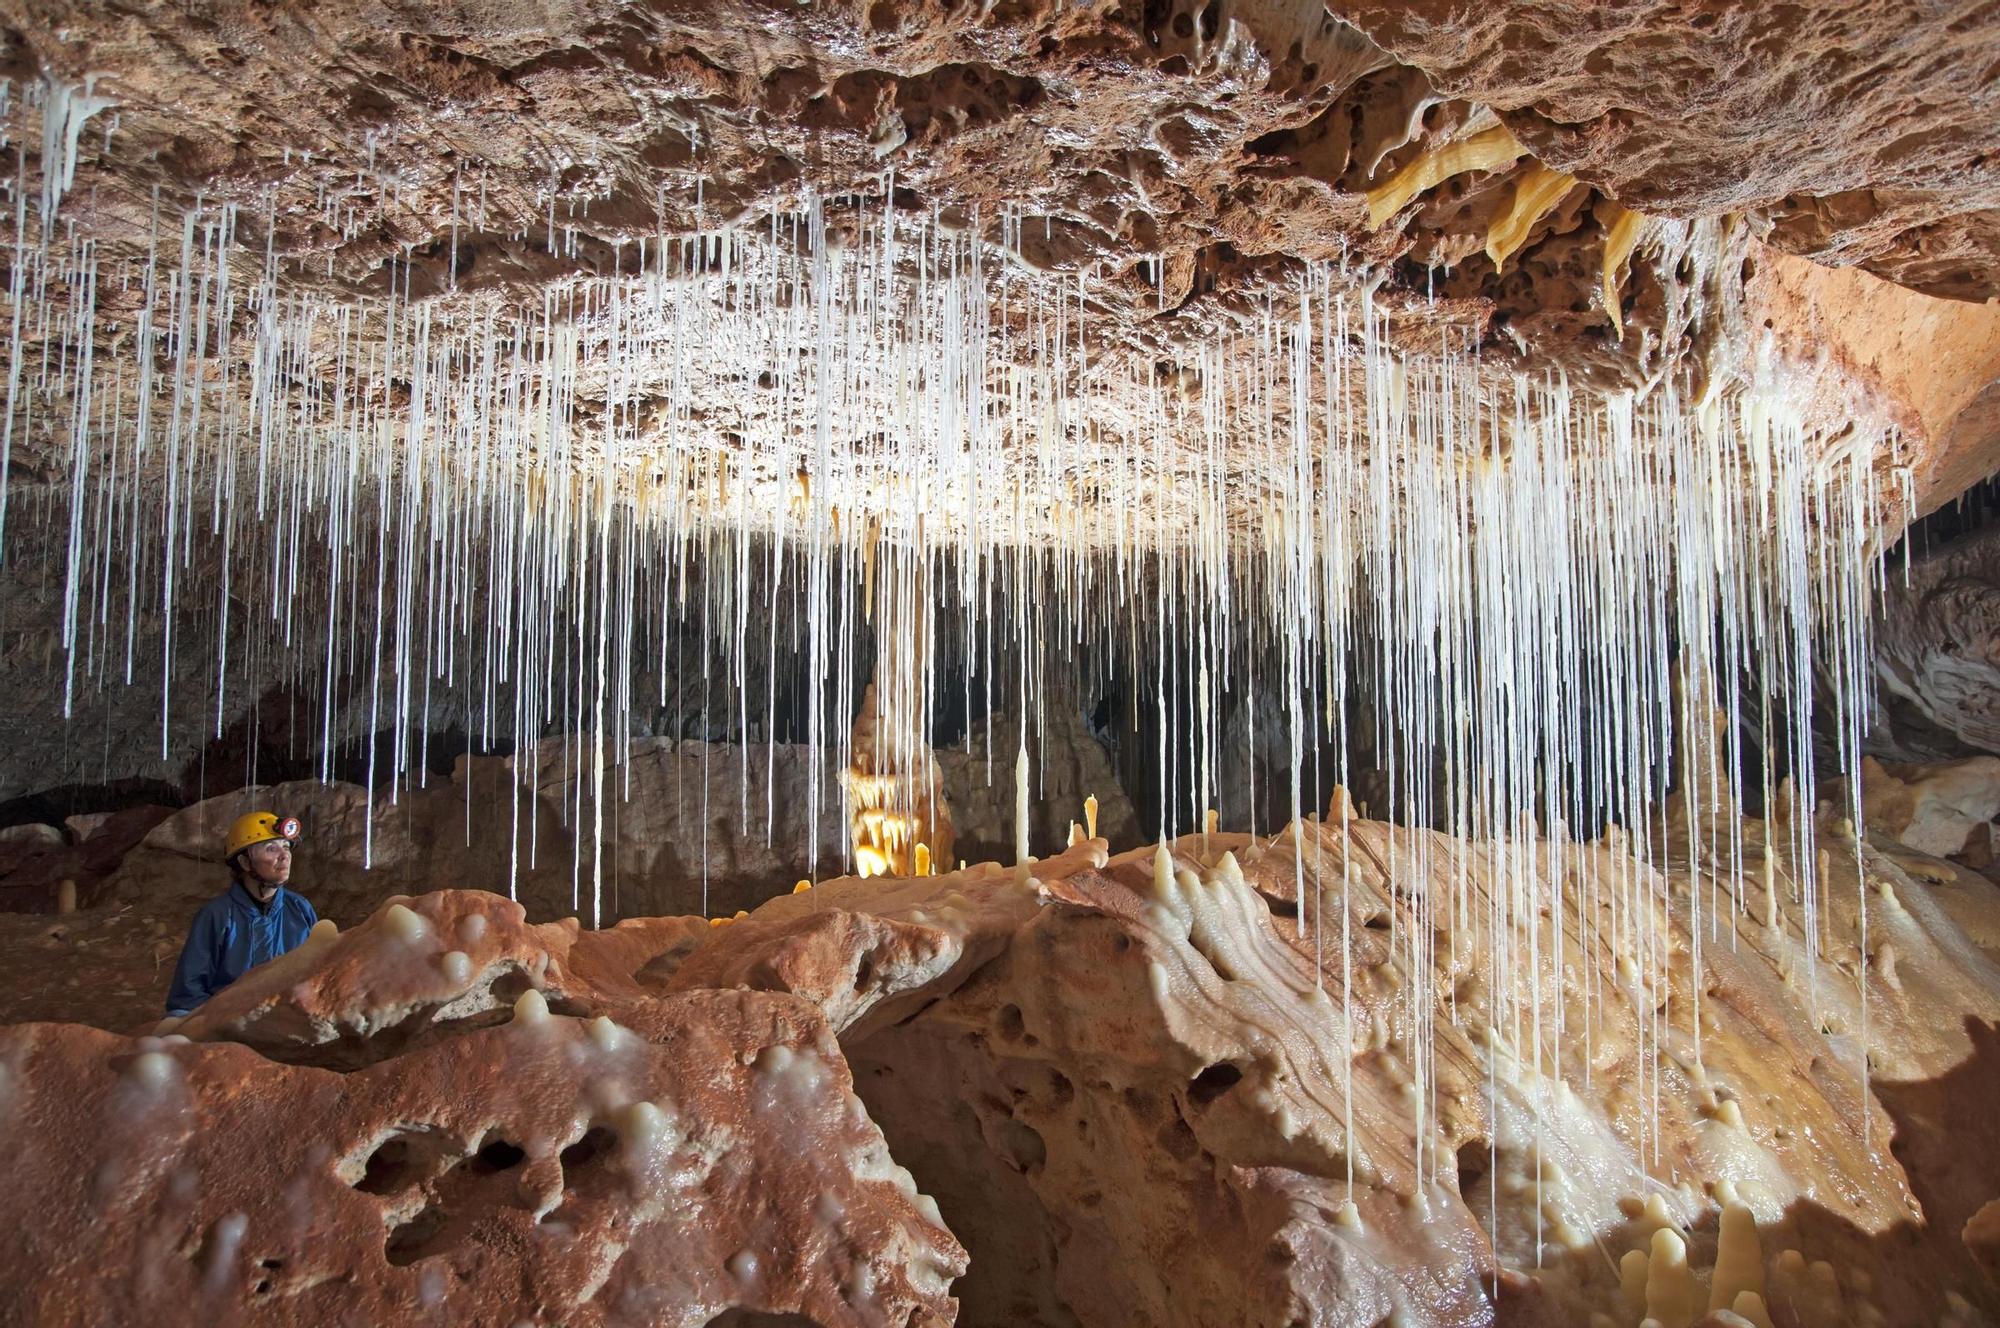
[1183,160]
[1149,1088]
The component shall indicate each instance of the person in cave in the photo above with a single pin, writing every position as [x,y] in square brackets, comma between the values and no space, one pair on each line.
[254,921]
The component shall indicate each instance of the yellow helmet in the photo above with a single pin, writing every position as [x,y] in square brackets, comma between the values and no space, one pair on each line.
[253,828]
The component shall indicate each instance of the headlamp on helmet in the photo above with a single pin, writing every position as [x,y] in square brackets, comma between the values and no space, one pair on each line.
[254,828]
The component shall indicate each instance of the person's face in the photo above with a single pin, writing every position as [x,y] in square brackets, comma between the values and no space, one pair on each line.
[270,862]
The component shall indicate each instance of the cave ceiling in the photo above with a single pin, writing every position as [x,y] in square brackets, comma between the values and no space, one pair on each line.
[1178,161]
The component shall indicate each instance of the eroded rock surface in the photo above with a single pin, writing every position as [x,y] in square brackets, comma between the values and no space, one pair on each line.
[553,1170]
[1182,159]
[1937,661]
[1298,1080]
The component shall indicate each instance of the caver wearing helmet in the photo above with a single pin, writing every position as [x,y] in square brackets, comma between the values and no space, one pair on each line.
[255,920]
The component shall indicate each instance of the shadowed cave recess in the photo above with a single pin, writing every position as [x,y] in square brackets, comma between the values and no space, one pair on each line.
[1171,664]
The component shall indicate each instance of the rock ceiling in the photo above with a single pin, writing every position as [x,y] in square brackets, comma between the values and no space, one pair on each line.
[1175,151]
[1526,177]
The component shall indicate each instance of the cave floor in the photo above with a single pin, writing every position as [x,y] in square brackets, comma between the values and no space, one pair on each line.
[108,967]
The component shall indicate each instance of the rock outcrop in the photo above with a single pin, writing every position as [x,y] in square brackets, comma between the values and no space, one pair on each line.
[44,869]
[1146,1087]
[711,1162]
[1942,810]
[1937,661]
[683,827]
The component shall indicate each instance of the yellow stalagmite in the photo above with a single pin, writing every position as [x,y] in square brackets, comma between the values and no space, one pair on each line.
[1669,1281]
[1739,1259]
[1090,816]
[1484,151]
[1536,194]
[898,820]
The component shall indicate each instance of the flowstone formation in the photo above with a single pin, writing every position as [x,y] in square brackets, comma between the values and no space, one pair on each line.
[1293,1079]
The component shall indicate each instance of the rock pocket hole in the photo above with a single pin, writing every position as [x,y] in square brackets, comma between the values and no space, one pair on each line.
[1213,1082]
[395,1165]
[1475,1159]
[495,1156]
[586,1153]
[412,1240]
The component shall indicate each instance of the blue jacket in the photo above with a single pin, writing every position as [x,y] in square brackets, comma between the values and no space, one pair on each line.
[232,934]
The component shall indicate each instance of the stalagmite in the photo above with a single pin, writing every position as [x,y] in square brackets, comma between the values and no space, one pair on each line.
[1739,1260]
[1670,1285]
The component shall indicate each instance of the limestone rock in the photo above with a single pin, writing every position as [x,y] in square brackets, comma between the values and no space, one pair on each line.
[1930,366]
[1147,1055]
[423,968]
[1066,764]
[1934,809]
[545,1171]
[1982,1237]
[1842,121]
[90,853]
[1938,657]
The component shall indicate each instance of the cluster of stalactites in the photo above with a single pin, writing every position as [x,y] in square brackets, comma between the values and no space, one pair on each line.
[739,435]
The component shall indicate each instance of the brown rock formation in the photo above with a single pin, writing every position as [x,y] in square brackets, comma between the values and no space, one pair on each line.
[1182,155]
[711,1161]
[1982,1237]
[1135,1086]
[1942,810]
[424,967]
[1937,661]
[1846,126]
[1930,366]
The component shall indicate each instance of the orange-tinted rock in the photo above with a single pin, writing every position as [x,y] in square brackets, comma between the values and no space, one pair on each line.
[548,1171]
[1146,1102]
[424,966]
[1929,366]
